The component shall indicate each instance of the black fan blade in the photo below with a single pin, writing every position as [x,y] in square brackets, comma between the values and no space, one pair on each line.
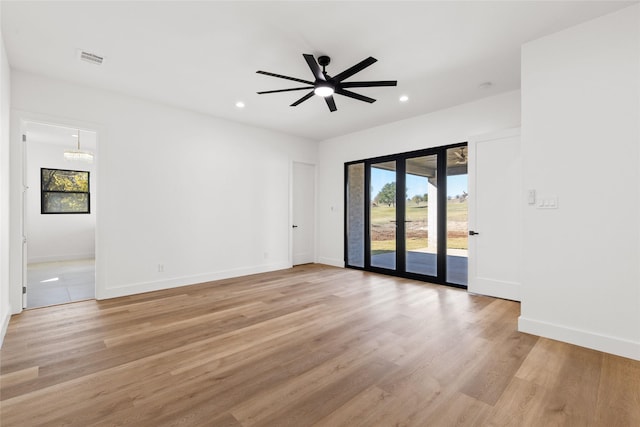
[280,76]
[301,100]
[370,84]
[313,65]
[284,90]
[355,95]
[331,103]
[355,69]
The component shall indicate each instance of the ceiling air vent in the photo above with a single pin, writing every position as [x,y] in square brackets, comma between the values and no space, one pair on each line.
[89,57]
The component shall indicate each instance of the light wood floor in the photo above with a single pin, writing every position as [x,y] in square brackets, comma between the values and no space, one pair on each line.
[313,345]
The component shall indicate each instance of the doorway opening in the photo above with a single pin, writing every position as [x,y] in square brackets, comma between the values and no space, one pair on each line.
[58,214]
[406,215]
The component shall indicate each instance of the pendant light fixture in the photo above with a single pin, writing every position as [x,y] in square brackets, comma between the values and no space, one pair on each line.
[83,156]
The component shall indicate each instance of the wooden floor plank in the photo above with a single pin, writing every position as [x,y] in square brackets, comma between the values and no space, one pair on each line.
[618,399]
[521,404]
[496,369]
[355,410]
[312,345]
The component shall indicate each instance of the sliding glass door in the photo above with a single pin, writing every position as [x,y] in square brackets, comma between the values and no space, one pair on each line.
[457,216]
[383,225]
[398,213]
[421,215]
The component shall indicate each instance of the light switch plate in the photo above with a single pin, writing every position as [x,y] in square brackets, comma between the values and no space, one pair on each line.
[547,203]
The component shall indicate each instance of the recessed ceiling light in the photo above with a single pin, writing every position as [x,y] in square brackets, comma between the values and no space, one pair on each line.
[74,136]
[240,104]
[485,85]
[404,98]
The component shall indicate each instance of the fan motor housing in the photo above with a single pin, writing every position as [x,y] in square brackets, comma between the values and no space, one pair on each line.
[324,60]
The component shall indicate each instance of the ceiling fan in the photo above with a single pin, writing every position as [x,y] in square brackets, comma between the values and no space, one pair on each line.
[325,86]
[461,156]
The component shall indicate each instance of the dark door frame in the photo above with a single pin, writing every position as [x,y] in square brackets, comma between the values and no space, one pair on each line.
[441,180]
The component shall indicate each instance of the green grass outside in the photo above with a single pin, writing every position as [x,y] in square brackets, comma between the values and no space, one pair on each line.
[384,246]
[383,215]
[457,211]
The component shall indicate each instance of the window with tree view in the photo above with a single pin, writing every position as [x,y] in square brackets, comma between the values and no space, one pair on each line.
[64,191]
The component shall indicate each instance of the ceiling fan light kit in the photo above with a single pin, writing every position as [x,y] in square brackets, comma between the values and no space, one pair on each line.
[326,86]
[323,90]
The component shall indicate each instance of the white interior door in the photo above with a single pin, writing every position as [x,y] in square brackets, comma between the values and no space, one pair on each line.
[303,224]
[495,215]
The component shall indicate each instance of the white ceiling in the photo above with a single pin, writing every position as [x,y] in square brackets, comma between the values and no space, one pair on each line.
[203,56]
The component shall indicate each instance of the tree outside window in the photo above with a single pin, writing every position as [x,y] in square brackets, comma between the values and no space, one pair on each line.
[64,191]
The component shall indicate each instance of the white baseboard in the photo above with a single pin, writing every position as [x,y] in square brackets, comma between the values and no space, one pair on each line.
[58,258]
[6,317]
[495,288]
[331,261]
[605,343]
[138,288]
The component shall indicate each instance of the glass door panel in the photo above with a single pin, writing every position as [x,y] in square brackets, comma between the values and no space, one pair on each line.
[382,215]
[457,216]
[421,215]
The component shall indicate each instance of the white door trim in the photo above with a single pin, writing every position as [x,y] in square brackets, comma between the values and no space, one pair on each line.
[19,119]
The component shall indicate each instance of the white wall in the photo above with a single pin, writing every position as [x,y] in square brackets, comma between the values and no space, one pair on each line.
[444,127]
[581,143]
[5,308]
[207,198]
[57,237]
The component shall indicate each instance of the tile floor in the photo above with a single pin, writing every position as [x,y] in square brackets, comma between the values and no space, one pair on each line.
[51,283]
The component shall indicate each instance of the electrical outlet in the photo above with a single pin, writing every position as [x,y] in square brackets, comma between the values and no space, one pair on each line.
[160,268]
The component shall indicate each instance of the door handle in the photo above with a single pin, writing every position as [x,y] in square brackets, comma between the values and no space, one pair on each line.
[472,233]
[294,226]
